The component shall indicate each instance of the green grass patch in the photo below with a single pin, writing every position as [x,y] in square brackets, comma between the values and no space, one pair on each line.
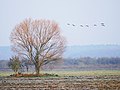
[3,73]
[85,73]
[72,73]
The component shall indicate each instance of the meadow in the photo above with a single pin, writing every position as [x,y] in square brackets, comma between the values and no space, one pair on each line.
[72,73]
[84,73]
[67,80]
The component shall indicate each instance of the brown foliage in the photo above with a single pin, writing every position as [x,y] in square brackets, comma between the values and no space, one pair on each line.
[39,41]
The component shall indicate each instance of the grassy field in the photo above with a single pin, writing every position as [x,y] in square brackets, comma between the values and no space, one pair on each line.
[85,73]
[74,73]
[3,73]
[85,80]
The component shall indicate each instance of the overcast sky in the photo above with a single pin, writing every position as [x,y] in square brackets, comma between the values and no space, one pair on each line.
[85,12]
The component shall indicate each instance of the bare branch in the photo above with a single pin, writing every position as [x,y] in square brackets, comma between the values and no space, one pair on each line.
[39,41]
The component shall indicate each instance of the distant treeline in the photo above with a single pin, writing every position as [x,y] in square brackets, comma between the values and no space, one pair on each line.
[92,61]
[82,61]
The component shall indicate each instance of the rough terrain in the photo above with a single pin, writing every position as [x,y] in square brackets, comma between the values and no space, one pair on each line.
[61,83]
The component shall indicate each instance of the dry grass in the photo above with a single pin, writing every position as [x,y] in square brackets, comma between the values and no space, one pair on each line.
[73,73]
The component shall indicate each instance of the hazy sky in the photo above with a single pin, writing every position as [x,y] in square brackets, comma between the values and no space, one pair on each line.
[78,12]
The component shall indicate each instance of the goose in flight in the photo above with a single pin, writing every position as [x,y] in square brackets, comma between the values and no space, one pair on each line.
[87,25]
[102,24]
[73,24]
[95,25]
[68,24]
[81,25]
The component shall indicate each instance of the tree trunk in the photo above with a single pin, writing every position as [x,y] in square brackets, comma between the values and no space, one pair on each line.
[27,68]
[37,69]
[16,72]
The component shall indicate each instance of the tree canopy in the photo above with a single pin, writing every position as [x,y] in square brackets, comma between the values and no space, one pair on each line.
[39,41]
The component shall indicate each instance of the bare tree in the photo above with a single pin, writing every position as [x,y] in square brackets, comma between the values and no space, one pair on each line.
[39,41]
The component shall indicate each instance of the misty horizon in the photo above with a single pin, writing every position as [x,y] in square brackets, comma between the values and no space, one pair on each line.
[76,51]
